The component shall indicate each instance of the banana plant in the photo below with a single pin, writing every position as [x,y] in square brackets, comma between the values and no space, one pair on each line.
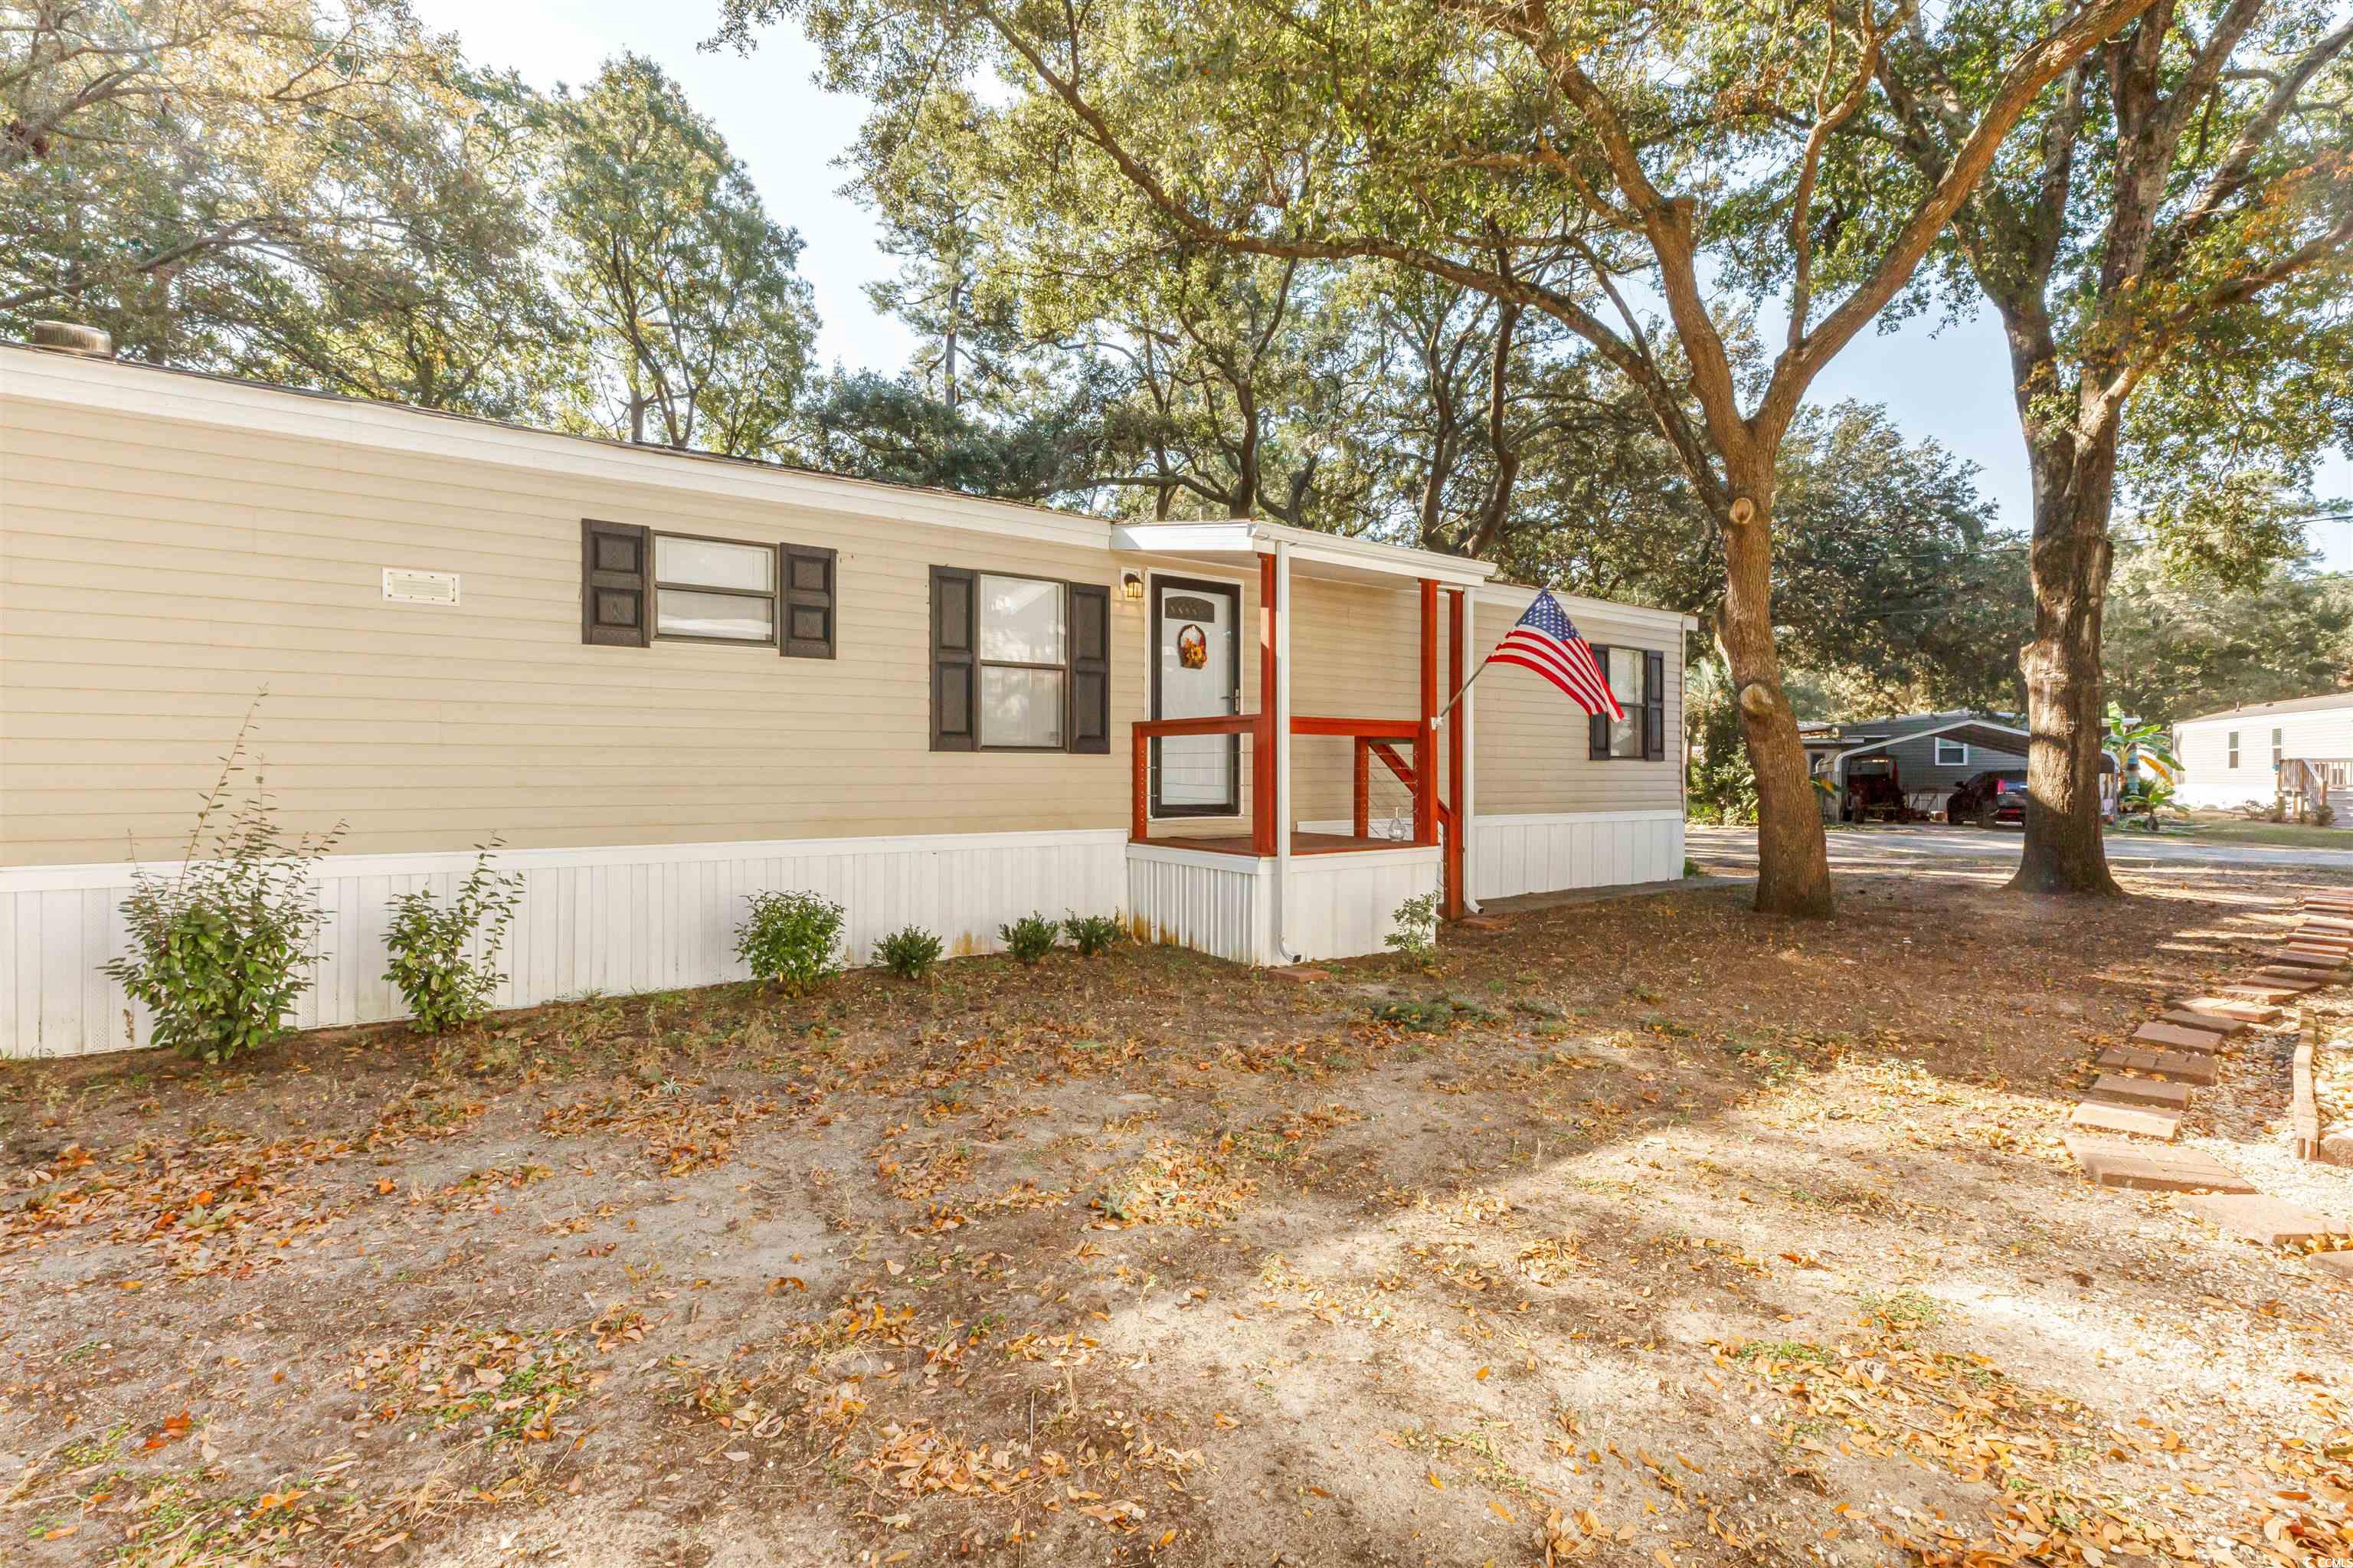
[2144,754]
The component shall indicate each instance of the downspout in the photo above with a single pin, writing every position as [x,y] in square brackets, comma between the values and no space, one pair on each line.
[1466,813]
[1278,925]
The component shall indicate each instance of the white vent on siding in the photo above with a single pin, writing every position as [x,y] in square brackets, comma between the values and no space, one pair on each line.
[404,586]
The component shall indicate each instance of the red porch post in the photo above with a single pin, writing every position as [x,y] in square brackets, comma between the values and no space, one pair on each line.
[1457,666]
[1425,734]
[1263,825]
[1364,821]
[1139,822]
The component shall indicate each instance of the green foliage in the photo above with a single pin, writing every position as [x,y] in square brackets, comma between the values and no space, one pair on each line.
[2174,651]
[220,953]
[703,324]
[428,939]
[1415,935]
[1721,783]
[791,940]
[1029,939]
[319,192]
[909,952]
[1091,933]
[2145,751]
[891,429]
[1427,1016]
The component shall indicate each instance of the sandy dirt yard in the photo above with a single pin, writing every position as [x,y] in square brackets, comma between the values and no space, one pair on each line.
[1639,1232]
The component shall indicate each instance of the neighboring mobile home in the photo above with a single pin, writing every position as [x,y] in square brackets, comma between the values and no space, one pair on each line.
[670,680]
[1928,756]
[2255,753]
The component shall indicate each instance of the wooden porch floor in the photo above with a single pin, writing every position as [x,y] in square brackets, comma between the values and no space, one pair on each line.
[1301,844]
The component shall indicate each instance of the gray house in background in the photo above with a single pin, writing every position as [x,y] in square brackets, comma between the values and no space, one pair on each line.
[1928,754]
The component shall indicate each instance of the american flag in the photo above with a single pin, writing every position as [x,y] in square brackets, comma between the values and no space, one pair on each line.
[1546,640]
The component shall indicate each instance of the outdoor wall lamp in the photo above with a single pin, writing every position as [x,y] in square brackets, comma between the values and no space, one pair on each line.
[1131,585]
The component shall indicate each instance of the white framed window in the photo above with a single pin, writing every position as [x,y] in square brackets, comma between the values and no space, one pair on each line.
[1952,753]
[1626,666]
[2235,751]
[714,590]
[2276,749]
[1023,652]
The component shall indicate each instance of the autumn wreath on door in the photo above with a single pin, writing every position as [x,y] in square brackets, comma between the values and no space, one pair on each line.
[1193,648]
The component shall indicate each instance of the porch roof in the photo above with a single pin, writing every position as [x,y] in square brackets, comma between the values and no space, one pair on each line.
[1333,556]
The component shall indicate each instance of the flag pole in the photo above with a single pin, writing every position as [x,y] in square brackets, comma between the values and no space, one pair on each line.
[1457,697]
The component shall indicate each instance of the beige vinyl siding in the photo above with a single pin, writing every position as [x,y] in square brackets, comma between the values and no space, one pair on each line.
[1355,653]
[158,574]
[1534,747]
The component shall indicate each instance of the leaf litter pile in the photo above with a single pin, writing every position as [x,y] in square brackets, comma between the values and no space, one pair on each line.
[1646,1231]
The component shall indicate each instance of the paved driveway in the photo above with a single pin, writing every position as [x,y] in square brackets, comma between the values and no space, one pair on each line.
[1735,849]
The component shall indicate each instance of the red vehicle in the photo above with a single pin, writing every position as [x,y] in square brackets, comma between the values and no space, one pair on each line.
[1988,798]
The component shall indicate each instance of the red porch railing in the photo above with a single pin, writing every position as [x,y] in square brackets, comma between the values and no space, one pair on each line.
[1139,826]
[1371,737]
[1370,734]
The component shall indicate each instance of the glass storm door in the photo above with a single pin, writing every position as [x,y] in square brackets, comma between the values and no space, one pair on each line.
[1195,632]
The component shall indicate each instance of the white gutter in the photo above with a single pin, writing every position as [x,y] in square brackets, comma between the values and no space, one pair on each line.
[1280,915]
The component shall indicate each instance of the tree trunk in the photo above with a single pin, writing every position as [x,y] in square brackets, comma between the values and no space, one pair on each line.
[948,364]
[2074,489]
[1793,872]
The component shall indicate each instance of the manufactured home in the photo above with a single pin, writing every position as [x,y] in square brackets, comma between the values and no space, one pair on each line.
[2299,751]
[668,680]
[1914,761]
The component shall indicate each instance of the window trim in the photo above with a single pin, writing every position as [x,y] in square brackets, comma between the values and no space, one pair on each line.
[980,741]
[1637,706]
[655,584]
[1960,746]
[2235,751]
[2278,747]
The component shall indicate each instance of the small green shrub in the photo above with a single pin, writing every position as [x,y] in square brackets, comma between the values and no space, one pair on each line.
[1091,933]
[1416,935]
[1029,939]
[427,941]
[791,940]
[221,951]
[909,953]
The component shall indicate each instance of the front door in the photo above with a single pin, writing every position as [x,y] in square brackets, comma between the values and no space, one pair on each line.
[1196,628]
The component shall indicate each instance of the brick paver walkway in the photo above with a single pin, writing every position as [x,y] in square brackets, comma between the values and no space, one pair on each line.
[2145,1086]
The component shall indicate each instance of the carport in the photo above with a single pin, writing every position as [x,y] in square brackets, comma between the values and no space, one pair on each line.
[1866,785]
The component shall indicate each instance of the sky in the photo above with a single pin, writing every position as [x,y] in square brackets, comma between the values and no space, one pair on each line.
[1949,382]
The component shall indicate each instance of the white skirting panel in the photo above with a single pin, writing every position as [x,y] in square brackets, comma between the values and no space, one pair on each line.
[1212,903]
[1341,905]
[650,918]
[1511,855]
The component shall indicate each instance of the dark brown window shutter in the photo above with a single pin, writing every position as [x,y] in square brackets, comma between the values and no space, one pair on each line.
[616,573]
[809,606]
[956,679]
[1090,728]
[1599,739]
[1654,706]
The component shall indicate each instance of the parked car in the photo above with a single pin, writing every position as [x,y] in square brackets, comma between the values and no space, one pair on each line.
[1995,796]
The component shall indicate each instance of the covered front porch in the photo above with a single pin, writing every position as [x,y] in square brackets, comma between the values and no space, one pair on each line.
[1245,877]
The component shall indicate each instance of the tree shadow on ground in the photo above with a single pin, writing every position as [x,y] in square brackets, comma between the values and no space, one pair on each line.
[1650,1230]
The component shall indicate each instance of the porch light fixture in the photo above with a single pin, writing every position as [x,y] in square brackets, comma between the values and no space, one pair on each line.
[1131,585]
